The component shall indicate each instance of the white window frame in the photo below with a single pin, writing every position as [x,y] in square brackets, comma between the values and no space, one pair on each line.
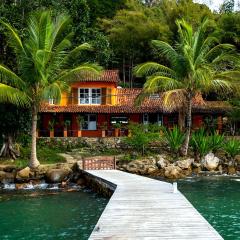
[160,119]
[90,98]
[88,123]
[51,101]
[145,119]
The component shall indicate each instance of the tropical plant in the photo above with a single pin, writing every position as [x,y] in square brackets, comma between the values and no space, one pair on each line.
[200,143]
[51,124]
[141,136]
[174,139]
[67,123]
[198,63]
[45,62]
[81,121]
[216,141]
[232,148]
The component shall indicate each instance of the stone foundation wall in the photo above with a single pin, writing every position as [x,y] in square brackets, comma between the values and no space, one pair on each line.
[74,142]
[98,185]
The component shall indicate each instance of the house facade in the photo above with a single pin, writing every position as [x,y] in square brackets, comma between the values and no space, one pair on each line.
[97,107]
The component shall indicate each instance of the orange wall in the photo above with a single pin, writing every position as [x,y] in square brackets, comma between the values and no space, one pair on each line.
[112,86]
[93,85]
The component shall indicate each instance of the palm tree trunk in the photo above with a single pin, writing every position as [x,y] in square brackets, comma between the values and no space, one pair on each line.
[33,160]
[184,149]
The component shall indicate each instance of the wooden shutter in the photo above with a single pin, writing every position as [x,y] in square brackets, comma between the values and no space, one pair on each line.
[109,96]
[104,98]
[75,95]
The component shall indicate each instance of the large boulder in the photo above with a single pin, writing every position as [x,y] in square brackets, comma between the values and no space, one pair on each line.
[210,162]
[24,173]
[173,172]
[144,166]
[57,175]
[185,164]
[162,162]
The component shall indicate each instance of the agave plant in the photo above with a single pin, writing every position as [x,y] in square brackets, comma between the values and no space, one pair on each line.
[232,148]
[200,143]
[216,142]
[174,139]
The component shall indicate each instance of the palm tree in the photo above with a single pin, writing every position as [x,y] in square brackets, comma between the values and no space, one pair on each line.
[197,63]
[45,64]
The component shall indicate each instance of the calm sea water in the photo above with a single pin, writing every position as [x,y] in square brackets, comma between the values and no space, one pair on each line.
[218,200]
[49,215]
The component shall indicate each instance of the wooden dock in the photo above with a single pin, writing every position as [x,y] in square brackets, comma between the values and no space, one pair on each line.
[144,208]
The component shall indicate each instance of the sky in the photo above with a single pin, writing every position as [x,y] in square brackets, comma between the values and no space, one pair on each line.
[215,4]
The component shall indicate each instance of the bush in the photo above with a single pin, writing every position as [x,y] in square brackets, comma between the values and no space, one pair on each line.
[216,141]
[141,135]
[174,138]
[232,148]
[200,143]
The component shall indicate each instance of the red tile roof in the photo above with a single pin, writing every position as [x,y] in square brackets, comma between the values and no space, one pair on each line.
[125,104]
[106,76]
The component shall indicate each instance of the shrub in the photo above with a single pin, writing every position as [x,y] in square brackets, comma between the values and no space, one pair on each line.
[141,135]
[200,143]
[216,142]
[174,138]
[232,148]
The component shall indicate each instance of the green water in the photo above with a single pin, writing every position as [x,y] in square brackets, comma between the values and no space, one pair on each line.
[217,199]
[49,215]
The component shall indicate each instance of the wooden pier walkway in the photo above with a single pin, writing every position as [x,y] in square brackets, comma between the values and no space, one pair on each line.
[144,208]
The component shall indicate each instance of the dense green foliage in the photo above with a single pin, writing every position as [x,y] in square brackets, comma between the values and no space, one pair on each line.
[232,148]
[141,135]
[174,138]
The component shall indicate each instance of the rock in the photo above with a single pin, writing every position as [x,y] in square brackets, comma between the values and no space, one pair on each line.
[143,167]
[197,170]
[185,164]
[6,177]
[173,172]
[196,165]
[57,175]
[81,182]
[231,170]
[220,168]
[24,173]
[237,158]
[152,169]
[210,162]
[162,162]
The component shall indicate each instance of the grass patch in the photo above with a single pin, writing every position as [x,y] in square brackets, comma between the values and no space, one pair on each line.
[45,156]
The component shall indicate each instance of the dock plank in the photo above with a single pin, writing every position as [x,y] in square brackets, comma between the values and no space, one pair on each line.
[144,208]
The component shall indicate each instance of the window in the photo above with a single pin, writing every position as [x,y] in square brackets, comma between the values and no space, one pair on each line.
[89,96]
[90,122]
[160,120]
[145,118]
[51,101]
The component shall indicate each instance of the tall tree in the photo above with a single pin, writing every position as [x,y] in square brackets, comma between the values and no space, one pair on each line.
[197,63]
[130,32]
[44,65]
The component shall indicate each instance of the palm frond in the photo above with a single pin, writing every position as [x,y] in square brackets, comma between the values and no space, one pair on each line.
[150,68]
[167,51]
[161,83]
[13,38]
[81,72]
[174,99]
[13,95]
[11,78]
